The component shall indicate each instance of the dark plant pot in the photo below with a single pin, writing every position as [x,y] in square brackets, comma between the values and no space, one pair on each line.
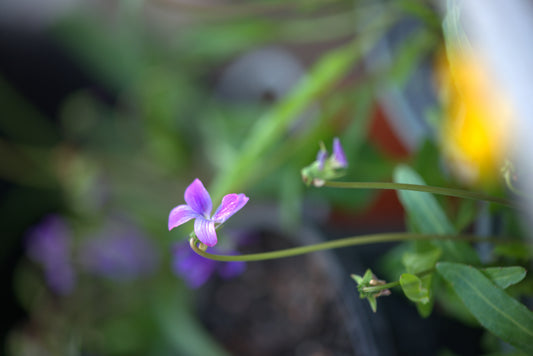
[303,305]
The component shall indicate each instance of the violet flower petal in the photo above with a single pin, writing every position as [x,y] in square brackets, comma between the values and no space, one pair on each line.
[338,153]
[180,215]
[321,158]
[194,269]
[231,203]
[197,197]
[205,231]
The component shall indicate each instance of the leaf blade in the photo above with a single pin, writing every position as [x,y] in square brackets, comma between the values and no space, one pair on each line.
[429,218]
[499,313]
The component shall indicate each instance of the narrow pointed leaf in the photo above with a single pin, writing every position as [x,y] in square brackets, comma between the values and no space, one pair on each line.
[504,277]
[428,217]
[499,313]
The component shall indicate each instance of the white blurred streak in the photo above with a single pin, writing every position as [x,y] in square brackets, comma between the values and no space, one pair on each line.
[503,31]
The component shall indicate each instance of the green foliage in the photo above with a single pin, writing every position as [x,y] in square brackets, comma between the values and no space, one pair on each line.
[421,263]
[427,216]
[269,128]
[504,277]
[370,288]
[499,313]
[414,289]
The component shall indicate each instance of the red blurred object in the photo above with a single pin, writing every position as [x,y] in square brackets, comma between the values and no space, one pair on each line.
[384,137]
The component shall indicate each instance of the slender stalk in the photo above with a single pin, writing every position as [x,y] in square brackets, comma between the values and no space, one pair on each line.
[345,242]
[390,285]
[379,288]
[458,193]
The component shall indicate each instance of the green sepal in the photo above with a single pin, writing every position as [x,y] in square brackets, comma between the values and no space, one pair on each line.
[313,175]
[369,280]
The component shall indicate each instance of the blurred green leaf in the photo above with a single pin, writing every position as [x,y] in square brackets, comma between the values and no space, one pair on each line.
[413,288]
[422,261]
[504,277]
[429,217]
[491,306]
[466,214]
[514,250]
[409,54]
[179,325]
[113,53]
[272,125]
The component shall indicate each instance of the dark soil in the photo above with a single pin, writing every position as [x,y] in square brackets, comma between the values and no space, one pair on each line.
[288,306]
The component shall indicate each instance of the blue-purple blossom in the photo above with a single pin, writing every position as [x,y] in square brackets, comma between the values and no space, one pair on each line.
[48,244]
[196,270]
[325,167]
[119,252]
[199,207]
[339,158]
[321,157]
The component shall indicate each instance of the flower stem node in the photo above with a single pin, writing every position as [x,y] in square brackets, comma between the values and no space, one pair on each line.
[325,168]
[202,246]
[370,287]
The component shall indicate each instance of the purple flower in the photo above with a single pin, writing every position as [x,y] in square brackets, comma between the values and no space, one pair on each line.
[48,244]
[196,270]
[120,253]
[321,157]
[339,159]
[199,207]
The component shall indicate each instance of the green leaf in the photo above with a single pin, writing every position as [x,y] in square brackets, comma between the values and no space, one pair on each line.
[428,217]
[465,215]
[413,288]
[504,277]
[514,250]
[271,127]
[422,261]
[373,303]
[419,262]
[499,313]
[422,207]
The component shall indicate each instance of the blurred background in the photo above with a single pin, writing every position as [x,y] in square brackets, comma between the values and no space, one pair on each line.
[109,109]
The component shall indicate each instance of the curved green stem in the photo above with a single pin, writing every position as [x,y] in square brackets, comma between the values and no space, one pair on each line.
[458,193]
[345,242]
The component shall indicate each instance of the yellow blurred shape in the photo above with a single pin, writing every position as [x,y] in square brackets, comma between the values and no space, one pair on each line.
[477,119]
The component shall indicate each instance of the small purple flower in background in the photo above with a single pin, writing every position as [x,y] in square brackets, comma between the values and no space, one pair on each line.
[338,158]
[196,270]
[321,156]
[199,207]
[120,252]
[325,168]
[48,244]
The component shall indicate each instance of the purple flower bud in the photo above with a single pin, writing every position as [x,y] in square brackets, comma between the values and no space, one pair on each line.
[338,154]
[321,158]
